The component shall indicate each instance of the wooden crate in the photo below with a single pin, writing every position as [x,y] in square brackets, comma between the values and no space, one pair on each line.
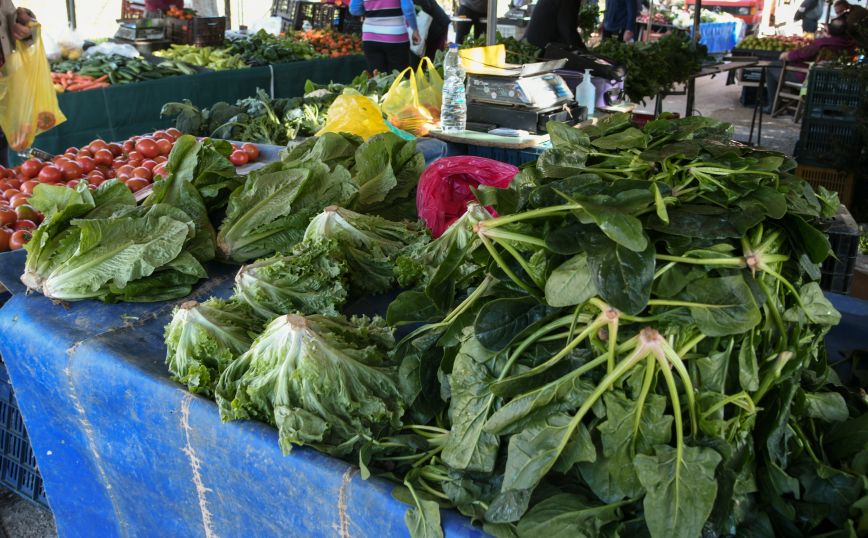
[830,178]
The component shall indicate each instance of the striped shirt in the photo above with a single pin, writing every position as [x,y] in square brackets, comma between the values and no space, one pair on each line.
[386,21]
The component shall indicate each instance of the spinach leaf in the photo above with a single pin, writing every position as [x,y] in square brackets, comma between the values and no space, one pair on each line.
[680,492]
[423,521]
[571,283]
[503,320]
[567,516]
[623,277]
[725,305]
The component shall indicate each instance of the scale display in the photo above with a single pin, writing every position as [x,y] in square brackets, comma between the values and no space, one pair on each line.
[534,92]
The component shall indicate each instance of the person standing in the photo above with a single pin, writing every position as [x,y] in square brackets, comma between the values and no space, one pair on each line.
[475,10]
[153,6]
[555,21]
[13,27]
[384,32]
[437,33]
[809,13]
[620,19]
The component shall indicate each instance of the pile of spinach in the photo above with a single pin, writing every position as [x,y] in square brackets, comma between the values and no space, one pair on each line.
[632,347]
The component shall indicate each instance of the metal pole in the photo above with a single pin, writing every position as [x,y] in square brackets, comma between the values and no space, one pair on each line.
[648,28]
[491,24]
[228,9]
[691,83]
[70,14]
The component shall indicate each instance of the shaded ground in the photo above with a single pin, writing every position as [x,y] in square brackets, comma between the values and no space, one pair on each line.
[22,519]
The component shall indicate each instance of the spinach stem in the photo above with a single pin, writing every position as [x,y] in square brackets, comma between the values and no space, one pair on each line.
[506,235]
[663,270]
[732,399]
[532,214]
[805,442]
[679,425]
[529,341]
[502,264]
[733,262]
[524,264]
[650,370]
[678,364]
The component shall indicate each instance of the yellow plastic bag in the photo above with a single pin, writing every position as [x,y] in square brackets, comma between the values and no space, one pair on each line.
[356,114]
[28,102]
[402,106]
[430,86]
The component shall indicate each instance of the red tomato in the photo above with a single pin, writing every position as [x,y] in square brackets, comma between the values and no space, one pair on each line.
[25,225]
[28,186]
[126,169]
[160,159]
[164,146]
[95,181]
[160,172]
[4,185]
[103,156]
[162,135]
[135,156]
[174,133]
[149,164]
[110,174]
[70,170]
[147,147]
[18,200]
[19,239]
[142,172]
[26,212]
[84,152]
[5,234]
[14,182]
[9,193]
[136,184]
[116,149]
[239,158]
[50,174]
[129,146]
[86,163]
[8,216]
[251,150]
[71,150]
[97,145]
[117,163]
[123,177]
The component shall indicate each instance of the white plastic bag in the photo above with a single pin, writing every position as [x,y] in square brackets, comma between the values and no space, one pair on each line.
[423,22]
[108,49]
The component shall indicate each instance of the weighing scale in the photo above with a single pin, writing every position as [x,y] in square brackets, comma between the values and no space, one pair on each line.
[524,97]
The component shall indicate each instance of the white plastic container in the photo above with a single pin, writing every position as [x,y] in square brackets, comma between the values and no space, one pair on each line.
[586,93]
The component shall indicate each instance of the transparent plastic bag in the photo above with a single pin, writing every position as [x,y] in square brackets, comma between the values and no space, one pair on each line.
[402,106]
[430,86]
[447,186]
[28,102]
[356,114]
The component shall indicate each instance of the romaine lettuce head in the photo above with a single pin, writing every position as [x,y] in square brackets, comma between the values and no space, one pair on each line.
[309,280]
[367,243]
[319,380]
[203,338]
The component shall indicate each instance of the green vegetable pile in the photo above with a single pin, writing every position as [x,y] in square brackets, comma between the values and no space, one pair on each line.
[632,346]
[270,212]
[212,58]
[120,69]
[263,48]
[673,56]
[271,121]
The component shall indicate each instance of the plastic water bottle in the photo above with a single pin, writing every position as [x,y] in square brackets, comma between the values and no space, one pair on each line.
[306,26]
[453,112]
[586,93]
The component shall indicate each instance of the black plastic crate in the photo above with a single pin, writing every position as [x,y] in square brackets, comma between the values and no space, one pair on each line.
[281,8]
[828,140]
[198,31]
[834,92]
[319,15]
[350,24]
[515,157]
[18,469]
[837,270]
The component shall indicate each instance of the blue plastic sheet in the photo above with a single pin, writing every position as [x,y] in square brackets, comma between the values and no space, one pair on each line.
[720,37]
[125,451]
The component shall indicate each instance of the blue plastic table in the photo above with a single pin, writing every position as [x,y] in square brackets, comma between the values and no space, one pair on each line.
[125,451]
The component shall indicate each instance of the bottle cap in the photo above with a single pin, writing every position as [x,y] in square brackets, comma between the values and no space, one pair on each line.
[453,46]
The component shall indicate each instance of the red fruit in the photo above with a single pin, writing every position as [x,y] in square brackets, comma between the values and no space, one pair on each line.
[26,212]
[14,182]
[129,146]
[70,170]
[148,148]
[164,146]
[50,174]
[9,193]
[5,235]
[251,150]
[84,152]
[123,177]
[28,186]
[117,163]
[174,133]
[149,164]
[126,169]
[116,149]
[239,158]
[25,225]
[18,200]
[86,163]
[160,159]
[19,239]
[136,184]
[8,216]
[97,145]
[142,172]
[103,156]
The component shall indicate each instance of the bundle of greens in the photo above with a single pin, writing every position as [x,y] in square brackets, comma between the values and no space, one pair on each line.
[101,245]
[205,165]
[270,212]
[308,280]
[639,351]
[323,382]
[263,48]
[367,244]
[674,57]
[203,338]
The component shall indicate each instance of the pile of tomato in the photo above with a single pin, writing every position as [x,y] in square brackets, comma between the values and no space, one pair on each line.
[137,162]
[331,43]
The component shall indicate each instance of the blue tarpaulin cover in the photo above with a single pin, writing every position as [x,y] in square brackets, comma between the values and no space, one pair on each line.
[125,451]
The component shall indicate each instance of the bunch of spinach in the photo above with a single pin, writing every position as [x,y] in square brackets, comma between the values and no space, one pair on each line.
[632,346]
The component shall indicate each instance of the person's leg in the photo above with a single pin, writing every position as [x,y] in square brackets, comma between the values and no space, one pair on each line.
[478,25]
[462,28]
[397,56]
[773,77]
[375,56]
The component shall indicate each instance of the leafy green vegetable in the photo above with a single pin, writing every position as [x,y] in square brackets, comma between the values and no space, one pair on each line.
[203,338]
[323,382]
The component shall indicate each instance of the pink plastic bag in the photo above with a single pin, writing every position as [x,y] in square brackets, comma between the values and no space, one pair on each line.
[445,188]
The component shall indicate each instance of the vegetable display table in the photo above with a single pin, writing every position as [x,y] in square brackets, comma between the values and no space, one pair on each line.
[125,451]
[119,112]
